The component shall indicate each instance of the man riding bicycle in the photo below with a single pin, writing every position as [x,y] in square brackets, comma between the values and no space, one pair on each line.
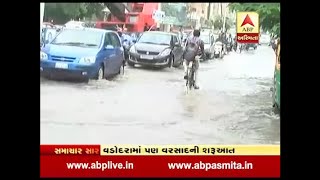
[193,52]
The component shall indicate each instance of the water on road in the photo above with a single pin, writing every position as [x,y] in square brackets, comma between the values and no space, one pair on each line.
[150,106]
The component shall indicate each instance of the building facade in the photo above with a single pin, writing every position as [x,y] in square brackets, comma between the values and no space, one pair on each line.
[198,13]
[219,9]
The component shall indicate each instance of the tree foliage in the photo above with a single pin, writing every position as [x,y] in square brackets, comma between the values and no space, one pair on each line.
[170,10]
[269,14]
[63,12]
[218,23]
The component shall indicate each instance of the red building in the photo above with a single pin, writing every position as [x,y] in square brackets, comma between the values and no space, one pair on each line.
[136,17]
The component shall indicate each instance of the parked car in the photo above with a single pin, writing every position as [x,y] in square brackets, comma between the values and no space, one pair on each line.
[264,39]
[207,38]
[158,49]
[47,25]
[251,45]
[75,24]
[82,53]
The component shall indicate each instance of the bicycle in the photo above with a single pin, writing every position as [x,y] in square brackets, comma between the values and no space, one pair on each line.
[190,81]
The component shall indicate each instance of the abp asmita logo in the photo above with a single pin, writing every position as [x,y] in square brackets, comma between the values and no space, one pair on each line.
[248,27]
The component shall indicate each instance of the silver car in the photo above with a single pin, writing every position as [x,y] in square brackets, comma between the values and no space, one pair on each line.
[208,40]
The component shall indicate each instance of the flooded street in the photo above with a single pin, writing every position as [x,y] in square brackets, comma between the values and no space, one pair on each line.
[150,106]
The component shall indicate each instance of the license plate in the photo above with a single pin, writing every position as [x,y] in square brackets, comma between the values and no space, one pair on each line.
[146,57]
[217,52]
[61,65]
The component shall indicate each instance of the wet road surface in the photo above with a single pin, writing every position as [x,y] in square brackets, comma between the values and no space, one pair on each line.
[148,106]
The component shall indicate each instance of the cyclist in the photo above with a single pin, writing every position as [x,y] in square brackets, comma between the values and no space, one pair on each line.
[193,52]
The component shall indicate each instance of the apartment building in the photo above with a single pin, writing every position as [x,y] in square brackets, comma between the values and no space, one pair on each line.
[219,9]
[198,12]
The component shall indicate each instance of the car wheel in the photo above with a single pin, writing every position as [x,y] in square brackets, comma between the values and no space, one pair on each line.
[86,80]
[121,69]
[131,64]
[100,74]
[171,61]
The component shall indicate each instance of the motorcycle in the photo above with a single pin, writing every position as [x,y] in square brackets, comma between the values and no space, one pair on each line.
[235,46]
[218,53]
[240,47]
[229,47]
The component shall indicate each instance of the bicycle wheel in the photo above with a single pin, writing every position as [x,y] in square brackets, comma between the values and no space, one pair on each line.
[187,80]
[190,79]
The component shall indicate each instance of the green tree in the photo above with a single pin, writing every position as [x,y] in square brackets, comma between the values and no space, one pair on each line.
[171,10]
[95,9]
[63,12]
[269,14]
[218,23]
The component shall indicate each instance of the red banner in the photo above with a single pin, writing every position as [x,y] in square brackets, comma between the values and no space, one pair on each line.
[157,166]
[70,149]
[248,37]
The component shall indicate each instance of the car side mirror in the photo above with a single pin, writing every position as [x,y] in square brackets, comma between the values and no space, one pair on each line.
[108,47]
[46,42]
[177,44]
[134,41]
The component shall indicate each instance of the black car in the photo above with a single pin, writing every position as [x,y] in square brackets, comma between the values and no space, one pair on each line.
[251,45]
[158,49]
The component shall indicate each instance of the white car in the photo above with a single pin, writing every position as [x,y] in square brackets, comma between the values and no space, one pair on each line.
[264,39]
[75,24]
[208,44]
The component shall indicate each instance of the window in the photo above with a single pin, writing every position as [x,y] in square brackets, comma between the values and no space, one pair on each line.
[107,40]
[115,42]
[155,38]
[175,40]
[205,39]
[179,38]
[133,19]
[81,38]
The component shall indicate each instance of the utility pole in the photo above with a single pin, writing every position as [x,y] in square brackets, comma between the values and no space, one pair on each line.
[209,10]
[159,9]
[224,21]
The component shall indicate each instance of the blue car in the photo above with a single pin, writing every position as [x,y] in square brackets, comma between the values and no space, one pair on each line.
[82,53]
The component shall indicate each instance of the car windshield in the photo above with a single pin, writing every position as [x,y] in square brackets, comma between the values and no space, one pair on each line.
[205,39]
[155,38]
[79,38]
